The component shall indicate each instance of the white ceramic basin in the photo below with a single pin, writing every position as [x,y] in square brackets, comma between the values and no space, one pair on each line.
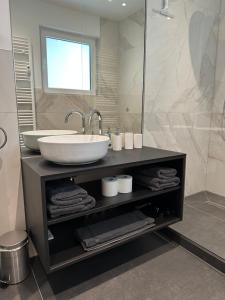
[74,149]
[30,138]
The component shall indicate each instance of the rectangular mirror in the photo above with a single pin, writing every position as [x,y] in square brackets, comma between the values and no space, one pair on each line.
[78,55]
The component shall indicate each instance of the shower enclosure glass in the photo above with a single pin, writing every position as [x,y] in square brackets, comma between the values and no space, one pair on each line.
[184,105]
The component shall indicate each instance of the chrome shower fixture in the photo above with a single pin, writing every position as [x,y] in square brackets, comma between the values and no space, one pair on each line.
[164,11]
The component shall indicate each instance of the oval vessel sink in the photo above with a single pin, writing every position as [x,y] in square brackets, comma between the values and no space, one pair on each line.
[74,149]
[30,138]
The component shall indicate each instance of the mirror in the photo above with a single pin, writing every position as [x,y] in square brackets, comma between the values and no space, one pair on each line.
[78,55]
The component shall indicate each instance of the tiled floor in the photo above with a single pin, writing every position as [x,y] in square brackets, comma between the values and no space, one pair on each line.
[28,290]
[150,268]
[204,221]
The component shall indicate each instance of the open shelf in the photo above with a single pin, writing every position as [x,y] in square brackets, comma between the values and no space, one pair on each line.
[76,253]
[64,250]
[104,203]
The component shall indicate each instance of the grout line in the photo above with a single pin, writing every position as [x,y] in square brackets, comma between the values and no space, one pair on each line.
[215,204]
[35,279]
[204,212]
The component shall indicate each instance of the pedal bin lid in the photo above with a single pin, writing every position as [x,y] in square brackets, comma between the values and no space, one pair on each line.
[13,239]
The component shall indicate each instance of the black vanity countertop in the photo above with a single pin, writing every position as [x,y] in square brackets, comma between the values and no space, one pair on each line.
[128,158]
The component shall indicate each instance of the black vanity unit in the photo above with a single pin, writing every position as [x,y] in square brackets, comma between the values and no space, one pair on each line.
[64,249]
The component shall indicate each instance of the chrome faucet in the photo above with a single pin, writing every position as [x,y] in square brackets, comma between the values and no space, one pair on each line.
[90,121]
[76,112]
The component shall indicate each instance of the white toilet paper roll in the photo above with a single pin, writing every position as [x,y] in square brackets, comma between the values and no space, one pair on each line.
[109,186]
[123,139]
[138,140]
[117,142]
[129,140]
[125,183]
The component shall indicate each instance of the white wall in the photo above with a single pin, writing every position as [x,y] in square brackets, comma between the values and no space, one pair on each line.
[29,15]
[11,197]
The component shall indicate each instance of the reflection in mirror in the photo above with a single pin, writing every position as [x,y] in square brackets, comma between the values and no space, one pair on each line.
[73,55]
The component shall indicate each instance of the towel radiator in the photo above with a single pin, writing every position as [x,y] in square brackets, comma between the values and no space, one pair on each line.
[23,66]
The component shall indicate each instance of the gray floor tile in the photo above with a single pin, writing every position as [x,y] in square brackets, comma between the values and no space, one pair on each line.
[204,223]
[76,280]
[176,275]
[26,290]
[150,268]
[165,272]
[209,203]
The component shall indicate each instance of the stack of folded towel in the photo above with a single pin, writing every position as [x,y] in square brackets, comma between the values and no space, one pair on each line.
[103,233]
[157,179]
[66,197]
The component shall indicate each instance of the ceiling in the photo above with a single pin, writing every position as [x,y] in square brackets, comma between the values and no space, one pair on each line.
[111,9]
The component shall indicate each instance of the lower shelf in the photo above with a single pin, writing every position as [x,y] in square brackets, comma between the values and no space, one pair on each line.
[75,254]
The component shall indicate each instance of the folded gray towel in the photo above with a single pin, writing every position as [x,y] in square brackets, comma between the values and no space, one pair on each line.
[162,173]
[57,211]
[68,202]
[64,193]
[157,184]
[107,230]
[117,239]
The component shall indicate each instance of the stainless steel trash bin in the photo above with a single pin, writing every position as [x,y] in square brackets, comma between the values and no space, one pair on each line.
[14,258]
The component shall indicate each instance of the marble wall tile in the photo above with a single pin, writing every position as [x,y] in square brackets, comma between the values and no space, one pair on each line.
[215,176]
[130,122]
[5,30]
[180,73]
[181,60]
[131,71]
[185,133]
[56,120]
[217,137]
[56,103]
[219,98]
[216,160]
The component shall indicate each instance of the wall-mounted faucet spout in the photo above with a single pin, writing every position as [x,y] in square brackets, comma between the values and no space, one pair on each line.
[164,11]
[73,112]
[90,121]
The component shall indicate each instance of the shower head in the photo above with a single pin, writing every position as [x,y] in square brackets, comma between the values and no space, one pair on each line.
[164,11]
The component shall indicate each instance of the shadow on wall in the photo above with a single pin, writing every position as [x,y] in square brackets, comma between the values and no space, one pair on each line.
[20,216]
[202,43]
[12,204]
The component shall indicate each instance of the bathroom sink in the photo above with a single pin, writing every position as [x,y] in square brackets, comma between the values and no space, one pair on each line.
[30,138]
[74,149]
